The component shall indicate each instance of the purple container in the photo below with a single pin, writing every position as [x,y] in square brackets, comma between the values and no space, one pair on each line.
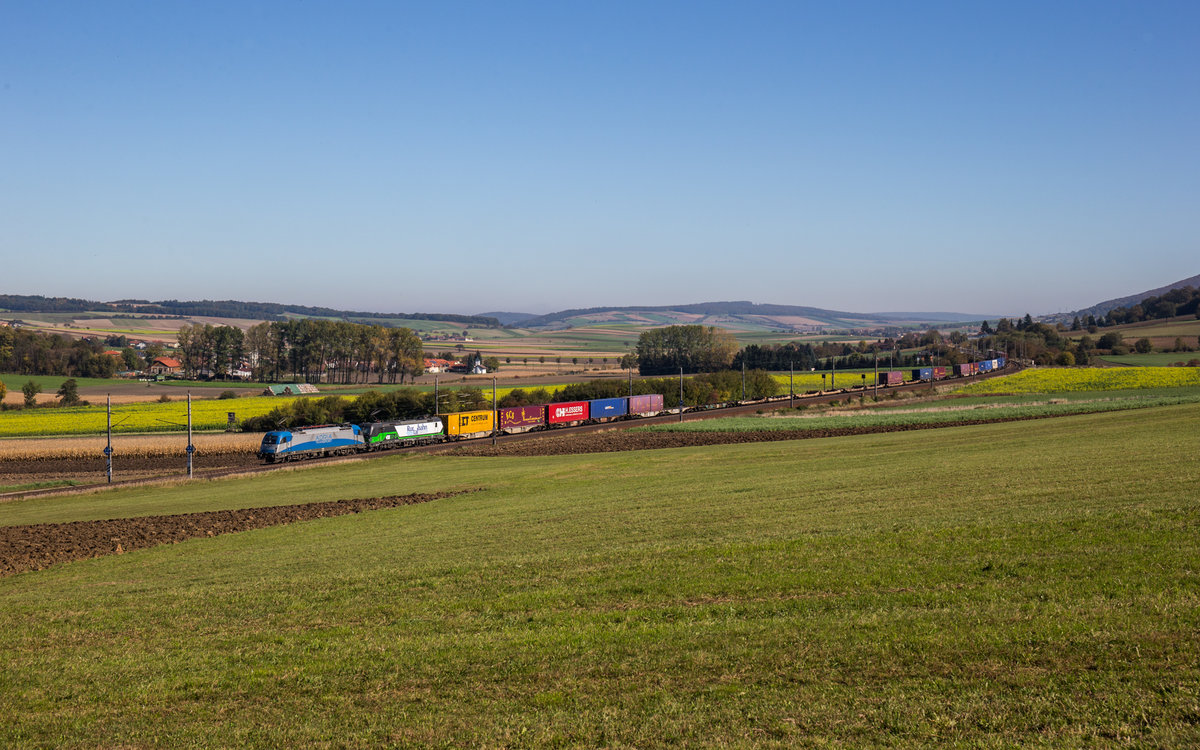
[645,405]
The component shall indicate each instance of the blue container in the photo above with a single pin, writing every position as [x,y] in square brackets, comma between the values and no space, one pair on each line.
[923,373]
[608,408]
[985,365]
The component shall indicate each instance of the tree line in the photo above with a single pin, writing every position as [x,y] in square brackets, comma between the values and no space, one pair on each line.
[28,352]
[308,350]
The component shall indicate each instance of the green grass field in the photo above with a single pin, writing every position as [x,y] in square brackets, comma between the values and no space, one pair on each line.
[1005,585]
[931,413]
[1158,359]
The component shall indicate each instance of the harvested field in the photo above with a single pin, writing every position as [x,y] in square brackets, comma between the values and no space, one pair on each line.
[34,547]
[29,461]
[91,470]
[129,446]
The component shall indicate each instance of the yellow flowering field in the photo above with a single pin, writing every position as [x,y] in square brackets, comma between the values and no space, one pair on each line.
[811,381]
[1060,380]
[207,414]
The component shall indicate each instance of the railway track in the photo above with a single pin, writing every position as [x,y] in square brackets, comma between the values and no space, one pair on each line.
[777,402]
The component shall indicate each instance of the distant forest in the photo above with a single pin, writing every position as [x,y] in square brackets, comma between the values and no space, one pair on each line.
[217,309]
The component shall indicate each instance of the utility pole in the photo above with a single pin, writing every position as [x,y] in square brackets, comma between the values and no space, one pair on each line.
[833,373]
[495,415]
[680,394]
[791,386]
[108,448]
[190,448]
[743,379]
[876,374]
[435,394]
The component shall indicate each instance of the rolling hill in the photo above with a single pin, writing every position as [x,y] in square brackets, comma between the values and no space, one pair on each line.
[1101,308]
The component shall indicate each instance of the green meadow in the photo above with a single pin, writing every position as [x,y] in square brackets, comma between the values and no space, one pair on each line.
[1017,584]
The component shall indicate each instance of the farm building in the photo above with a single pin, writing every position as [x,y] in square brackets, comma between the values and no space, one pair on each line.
[290,389]
[165,366]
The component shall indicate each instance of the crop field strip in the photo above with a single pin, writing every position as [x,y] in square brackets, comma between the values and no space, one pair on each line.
[1056,380]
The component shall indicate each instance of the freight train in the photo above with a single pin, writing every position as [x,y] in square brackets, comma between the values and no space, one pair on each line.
[343,440]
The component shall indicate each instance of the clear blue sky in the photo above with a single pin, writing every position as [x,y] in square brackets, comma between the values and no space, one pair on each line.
[471,156]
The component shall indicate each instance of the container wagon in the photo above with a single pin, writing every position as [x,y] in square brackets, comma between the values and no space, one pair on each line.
[514,419]
[469,424]
[645,406]
[571,412]
[608,409]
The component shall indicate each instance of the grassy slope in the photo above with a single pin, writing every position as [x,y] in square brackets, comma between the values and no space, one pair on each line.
[1030,583]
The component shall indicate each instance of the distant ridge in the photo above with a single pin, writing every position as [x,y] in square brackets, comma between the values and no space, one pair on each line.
[745,309]
[509,318]
[217,309]
[1102,308]
[700,308]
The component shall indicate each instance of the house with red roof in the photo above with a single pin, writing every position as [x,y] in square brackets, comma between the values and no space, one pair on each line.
[165,366]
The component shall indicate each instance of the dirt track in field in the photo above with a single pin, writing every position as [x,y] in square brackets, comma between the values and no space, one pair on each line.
[37,546]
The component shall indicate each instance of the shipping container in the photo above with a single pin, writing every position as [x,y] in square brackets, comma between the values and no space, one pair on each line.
[985,365]
[939,373]
[966,369]
[522,418]
[608,408]
[895,377]
[565,413]
[1001,362]
[646,405]
[469,424]
[922,373]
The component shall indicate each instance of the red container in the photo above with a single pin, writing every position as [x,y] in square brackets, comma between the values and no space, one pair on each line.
[572,411]
[522,417]
[645,405]
[895,377]
[939,373]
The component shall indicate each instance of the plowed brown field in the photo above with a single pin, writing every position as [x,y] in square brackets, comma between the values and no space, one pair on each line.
[37,546]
